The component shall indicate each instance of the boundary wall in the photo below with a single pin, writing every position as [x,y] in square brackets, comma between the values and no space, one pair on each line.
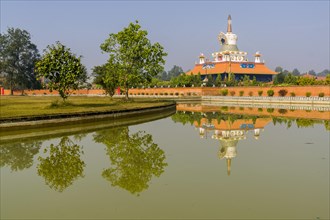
[193,91]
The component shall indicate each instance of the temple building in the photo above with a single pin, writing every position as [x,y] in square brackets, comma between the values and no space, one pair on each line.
[230,60]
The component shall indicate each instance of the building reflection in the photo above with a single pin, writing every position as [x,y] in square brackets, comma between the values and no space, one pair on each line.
[229,132]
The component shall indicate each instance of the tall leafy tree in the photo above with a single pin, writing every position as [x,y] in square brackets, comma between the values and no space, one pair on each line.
[106,76]
[62,69]
[17,58]
[132,54]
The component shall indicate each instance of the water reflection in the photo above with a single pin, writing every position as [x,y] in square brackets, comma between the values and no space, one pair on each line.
[19,156]
[228,126]
[135,158]
[63,164]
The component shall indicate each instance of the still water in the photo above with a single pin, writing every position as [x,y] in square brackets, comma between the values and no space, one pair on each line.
[203,162]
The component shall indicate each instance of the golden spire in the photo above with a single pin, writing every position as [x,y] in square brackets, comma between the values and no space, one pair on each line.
[229,29]
[228,166]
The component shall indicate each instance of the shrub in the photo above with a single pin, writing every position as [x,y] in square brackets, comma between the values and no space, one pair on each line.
[282,111]
[292,94]
[161,93]
[321,94]
[241,93]
[250,93]
[142,93]
[308,94]
[282,92]
[232,93]
[260,92]
[156,93]
[224,108]
[260,109]
[176,93]
[270,110]
[188,94]
[224,92]
[165,93]
[241,108]
[270,92]
[171,93]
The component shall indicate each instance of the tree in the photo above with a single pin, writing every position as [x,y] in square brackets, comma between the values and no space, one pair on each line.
[324,73]
[312,72]
[62,68]
[135,158]
[135,58]
[174,72]
[218,80]
[62,166]
[210,81]
[295,72]
[278,69]
[17,58]
[279,78]
[290,79]
[107,77]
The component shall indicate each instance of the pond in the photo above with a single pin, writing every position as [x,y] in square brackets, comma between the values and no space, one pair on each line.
[202,162]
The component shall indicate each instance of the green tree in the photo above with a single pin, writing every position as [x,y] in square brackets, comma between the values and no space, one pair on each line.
[295,72]
[106,76]
[246,80]
[218,80]
[324,73]
[174,72]
[210,81]
[62,166]
[197,81]
[312,72]
[279,78]
[62,68]
[137,60]
[278,69]
[18,156]
[17,58]
[290,79]
[135,158]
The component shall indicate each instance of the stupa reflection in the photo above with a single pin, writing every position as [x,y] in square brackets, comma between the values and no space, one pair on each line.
[229,131]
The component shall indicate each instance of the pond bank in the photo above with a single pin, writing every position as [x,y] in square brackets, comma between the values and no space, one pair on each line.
[64,118]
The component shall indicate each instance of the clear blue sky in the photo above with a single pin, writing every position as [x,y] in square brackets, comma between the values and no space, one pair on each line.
[291,34]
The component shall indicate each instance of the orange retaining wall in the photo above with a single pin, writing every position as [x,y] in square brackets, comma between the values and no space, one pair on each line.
[194,91]
[214,91]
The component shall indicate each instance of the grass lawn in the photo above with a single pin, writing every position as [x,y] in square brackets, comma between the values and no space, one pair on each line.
[18,106]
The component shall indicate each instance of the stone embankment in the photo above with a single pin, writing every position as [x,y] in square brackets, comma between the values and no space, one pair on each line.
[84,116]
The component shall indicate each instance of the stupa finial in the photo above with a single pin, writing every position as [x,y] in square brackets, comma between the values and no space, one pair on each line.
[229,29]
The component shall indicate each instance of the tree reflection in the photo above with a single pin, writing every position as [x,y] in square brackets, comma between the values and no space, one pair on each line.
[63,165]
[18,156]
[134,158]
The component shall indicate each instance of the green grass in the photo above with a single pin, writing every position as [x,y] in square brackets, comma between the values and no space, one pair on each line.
[20,106]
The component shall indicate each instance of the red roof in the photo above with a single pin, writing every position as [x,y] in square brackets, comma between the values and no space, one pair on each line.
[234,67]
